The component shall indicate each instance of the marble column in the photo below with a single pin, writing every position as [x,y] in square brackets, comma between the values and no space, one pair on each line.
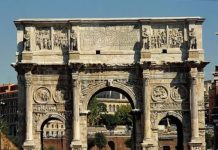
[147,141]
[76,142]
[194,110]
[29,144]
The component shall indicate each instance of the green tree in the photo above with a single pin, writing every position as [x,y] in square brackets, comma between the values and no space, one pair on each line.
[123,115]
[110,121]
[128,142]
[3,126]
[100,140]
[209,140]
[96,109]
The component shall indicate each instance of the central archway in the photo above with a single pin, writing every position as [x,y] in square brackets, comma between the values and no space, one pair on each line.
[126,94]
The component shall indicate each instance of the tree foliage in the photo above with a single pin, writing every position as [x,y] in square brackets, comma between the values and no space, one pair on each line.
[128,142]
[96,109]
[100,140]
[110,121]
[3,126]
[123,115]
[209,140]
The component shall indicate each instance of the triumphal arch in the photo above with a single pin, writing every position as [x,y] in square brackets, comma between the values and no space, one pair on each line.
[157,63]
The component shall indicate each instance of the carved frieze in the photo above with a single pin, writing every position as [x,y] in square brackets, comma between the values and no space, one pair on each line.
[166,106]
[48,108]
[159,94]
[41,95]
[163,36]
[43,38]
[179,93]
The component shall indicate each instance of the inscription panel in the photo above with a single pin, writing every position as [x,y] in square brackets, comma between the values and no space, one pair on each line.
[110,37]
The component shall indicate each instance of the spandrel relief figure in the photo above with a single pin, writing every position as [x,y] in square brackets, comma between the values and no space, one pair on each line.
[73,40]
[26,40]
[145,39]
[192,39]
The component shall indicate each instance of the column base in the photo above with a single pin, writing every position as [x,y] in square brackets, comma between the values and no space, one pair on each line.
[147,144]
[195,145]
[76,145]
[28,145]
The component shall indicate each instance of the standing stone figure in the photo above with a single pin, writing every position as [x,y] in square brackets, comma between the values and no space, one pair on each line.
[26,40]
[73,40]
[192,39]
[145,39]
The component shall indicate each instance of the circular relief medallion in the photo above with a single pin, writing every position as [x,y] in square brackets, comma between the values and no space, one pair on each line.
[179,93]
[41,95]
[60,96]
[159,94]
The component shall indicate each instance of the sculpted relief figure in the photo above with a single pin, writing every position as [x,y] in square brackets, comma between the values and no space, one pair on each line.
[175,38]
[158,39]
[26,40]
[41,95]
[43,40]
[159,93]
[192,39]
[60,96]
[145,39]
[60,39]
[73,40]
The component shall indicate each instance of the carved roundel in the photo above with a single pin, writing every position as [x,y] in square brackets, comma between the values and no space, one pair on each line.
[41,95]
[60,96]
[159,93]
[179,93]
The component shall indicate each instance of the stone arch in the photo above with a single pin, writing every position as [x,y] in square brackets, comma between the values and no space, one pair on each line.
[176,118]
[47,117]
[126,90]
[169,113]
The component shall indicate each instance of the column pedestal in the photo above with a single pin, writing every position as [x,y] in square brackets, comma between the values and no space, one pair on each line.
[147,145]
[28,145]
[195,145]
[76,145]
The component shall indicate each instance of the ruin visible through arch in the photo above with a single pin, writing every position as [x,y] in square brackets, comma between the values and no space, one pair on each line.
[157,63]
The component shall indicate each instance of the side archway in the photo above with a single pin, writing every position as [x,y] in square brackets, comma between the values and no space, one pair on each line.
[48,117]
[170,125]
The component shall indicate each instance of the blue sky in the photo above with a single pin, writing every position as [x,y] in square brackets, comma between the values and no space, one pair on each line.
[11,10]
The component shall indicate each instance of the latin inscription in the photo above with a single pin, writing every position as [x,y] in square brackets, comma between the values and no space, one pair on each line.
[109,38]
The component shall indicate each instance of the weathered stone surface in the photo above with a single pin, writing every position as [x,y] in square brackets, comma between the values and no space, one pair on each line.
[154,62]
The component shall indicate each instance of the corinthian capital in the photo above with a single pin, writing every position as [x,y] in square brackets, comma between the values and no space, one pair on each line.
[28,78]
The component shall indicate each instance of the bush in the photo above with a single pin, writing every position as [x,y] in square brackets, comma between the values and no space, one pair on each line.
[100,140]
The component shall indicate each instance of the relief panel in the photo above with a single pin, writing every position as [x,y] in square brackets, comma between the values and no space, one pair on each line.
[43,38]
[41,95]
[60,38]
